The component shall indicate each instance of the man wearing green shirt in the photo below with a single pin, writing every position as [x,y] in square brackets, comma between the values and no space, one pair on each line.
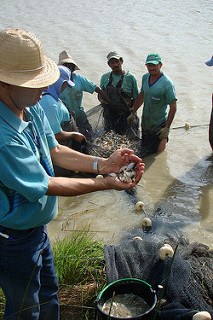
[157,94]
[121,88]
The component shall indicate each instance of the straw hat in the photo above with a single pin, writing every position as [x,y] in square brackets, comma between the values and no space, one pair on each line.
[64,57]
[22,60]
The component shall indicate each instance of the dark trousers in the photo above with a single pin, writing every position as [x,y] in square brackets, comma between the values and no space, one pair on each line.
[27,275]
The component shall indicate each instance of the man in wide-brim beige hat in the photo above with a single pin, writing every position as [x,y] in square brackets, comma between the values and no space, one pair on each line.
[65,58]
[28,187]
[22,60]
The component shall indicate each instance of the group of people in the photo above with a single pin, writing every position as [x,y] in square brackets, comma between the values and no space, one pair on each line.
[35,137]
[120,98]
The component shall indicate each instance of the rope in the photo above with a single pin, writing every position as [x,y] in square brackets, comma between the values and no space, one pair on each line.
[194,126]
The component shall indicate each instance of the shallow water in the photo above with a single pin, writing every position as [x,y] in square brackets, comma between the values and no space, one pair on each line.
[178,183]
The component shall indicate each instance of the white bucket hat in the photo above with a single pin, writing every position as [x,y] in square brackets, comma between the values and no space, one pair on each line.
[23,62]
[64,57]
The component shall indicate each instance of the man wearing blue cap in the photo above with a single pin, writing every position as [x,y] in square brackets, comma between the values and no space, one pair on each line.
[157,93]
[61,121]
[209,63]
[57,113]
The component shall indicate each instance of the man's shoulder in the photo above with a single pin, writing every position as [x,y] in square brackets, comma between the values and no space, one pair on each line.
[47,100]
[166,78]
[145,76]
[106,75]
[129,74]
[82,79]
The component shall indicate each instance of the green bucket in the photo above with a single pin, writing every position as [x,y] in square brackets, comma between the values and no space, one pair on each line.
[127,286]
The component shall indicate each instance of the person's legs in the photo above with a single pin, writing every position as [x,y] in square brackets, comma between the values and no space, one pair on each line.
[25,263]
[48,294]
[149,143]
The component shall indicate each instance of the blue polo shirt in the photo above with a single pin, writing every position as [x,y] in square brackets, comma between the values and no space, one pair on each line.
[25,169]
[55,111]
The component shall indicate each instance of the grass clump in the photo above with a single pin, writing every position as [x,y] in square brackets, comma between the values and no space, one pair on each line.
[80,271]
[78,258]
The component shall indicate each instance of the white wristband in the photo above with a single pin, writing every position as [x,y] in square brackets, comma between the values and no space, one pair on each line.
[95,165]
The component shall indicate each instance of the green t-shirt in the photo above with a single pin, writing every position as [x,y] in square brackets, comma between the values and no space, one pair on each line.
[157,97]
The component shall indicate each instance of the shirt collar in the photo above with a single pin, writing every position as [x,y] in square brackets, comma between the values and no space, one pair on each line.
[12,120]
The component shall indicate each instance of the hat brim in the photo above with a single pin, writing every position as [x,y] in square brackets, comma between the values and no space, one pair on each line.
[41,78]
[153,62]
[68,60]
[114,57]
[70,83]
[209,63]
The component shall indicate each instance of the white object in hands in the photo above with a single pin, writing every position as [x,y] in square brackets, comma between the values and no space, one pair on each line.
[127,173]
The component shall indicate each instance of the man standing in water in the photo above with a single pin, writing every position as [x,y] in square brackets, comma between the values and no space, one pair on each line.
[121,87]
[157,93]
[28,187]
[209,63]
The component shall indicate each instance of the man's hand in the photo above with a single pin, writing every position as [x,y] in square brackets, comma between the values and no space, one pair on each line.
[77,136]
[163,133]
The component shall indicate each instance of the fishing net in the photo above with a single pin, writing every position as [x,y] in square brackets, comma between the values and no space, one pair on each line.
[109,142]
[111,132]
[187,278]
[106,142]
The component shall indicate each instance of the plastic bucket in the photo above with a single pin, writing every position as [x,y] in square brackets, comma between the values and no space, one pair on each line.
[133,286]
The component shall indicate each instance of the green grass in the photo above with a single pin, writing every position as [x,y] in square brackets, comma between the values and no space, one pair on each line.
[78,258]
[80,271]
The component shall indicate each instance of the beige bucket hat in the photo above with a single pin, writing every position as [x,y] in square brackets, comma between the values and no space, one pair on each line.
[23,62]
[64,57]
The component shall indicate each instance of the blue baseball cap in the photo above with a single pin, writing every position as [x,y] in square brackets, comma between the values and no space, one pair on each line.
[65,75]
